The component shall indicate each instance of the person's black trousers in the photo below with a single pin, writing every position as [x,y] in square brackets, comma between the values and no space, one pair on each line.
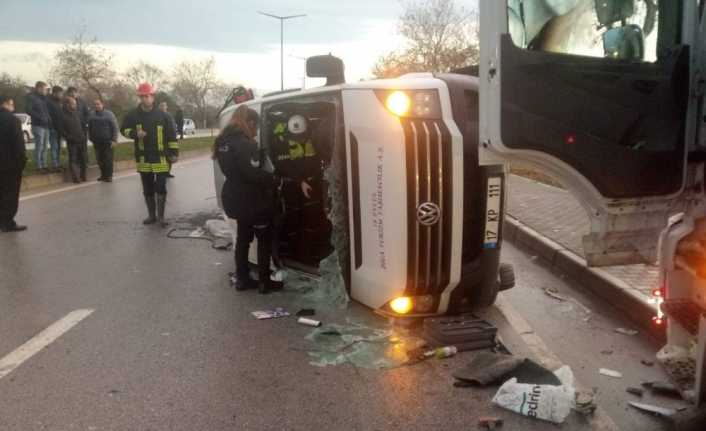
[10,182]
[78,159]
[247,231]
[153,183]
[104,157]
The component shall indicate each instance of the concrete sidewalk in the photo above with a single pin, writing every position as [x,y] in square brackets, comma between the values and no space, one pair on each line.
[551,222]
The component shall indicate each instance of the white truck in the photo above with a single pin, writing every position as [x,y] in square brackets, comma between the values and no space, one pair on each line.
[608,96]
[424,220]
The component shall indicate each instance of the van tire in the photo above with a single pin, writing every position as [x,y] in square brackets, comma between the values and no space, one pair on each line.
[506,276]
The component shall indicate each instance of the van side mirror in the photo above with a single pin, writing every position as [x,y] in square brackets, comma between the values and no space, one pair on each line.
[610,11]
[624,43]
[326,66]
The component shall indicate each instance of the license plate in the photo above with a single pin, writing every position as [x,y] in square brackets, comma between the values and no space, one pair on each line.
[492,212]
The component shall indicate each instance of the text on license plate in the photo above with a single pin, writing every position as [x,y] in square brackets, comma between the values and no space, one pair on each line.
[492,212]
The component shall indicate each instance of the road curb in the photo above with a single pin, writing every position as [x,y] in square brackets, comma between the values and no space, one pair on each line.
[34,182]
[598,281]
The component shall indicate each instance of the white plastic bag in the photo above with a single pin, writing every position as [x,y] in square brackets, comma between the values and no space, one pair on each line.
[550,403]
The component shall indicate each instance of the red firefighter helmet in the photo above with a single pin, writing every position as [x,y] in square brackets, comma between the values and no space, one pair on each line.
[145,89]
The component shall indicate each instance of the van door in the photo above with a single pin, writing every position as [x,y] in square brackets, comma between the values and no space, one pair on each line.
[596,94]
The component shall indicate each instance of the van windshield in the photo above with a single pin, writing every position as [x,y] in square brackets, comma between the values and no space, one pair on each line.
[581,27]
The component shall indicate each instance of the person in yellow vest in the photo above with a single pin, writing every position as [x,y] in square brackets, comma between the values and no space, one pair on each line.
[155,148]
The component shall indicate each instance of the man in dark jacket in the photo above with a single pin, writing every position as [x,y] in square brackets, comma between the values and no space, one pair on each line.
[81,106]
[155,143]
[179,120]
[54,102]
[73,132]
[12,162]
[36,107]
[103,132]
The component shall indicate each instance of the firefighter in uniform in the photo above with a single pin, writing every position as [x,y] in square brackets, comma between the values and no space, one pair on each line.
[155,147]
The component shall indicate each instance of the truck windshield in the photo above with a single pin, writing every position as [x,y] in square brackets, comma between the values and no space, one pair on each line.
[636,30]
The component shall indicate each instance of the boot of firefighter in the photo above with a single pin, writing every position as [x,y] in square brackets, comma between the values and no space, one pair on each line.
[151,210]
[161,203]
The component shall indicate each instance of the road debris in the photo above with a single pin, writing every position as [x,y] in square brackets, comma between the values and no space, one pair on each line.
[585,402]
[360,346]
[490,422]
[663,388]
[554,293]
[309,322]
[270,314]
[306,312]
[625,331]
[606,352]
[465,332]
[489,368]
[655,410]
[635,391]
[549,403]
[610,373]
[647,363]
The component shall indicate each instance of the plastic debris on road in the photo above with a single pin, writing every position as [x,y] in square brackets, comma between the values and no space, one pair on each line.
[219,228]
[270,314]
[624,331]
[655,410]
[610,373]
[361,346]
[546,402]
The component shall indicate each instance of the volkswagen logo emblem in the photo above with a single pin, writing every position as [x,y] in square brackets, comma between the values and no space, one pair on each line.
[428,214]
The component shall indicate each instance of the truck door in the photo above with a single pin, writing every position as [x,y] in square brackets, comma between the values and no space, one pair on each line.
[598,94]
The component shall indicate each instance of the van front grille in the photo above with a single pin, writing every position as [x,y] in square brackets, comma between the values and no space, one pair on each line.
[429,187]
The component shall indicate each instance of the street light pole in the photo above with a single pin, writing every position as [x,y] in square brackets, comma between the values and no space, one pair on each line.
[281,19]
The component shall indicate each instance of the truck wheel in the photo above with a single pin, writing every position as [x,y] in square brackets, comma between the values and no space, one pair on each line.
[506,274]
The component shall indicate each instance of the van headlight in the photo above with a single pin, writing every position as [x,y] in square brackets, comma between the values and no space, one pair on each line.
[411,103]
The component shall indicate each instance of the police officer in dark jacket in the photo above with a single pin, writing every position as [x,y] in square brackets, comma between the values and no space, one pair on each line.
[103,132]
[12,162]
[73,132]
[248,196]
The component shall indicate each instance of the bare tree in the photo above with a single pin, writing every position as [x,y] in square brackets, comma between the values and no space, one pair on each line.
[440,37]
[143,71]
[194,82]
[83,63]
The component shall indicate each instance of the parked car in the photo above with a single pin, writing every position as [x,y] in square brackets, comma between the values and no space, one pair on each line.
[189,126]
[26,121]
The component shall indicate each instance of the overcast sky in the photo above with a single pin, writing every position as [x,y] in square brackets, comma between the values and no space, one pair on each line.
[245,44]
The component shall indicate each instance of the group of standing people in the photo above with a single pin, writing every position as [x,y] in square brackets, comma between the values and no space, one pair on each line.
[65,115]
[152,129]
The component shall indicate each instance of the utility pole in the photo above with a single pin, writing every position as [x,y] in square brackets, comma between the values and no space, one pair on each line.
[281,19]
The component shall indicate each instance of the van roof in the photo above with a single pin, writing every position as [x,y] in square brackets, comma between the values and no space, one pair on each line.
[411,81]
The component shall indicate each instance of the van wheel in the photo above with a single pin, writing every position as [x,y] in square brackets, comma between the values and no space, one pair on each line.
[506,275]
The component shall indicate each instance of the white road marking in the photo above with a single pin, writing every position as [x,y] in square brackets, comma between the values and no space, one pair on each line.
[599,421]
[96,183]
[13,360]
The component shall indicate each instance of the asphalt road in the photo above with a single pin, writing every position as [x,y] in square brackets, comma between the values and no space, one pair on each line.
[169,346]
